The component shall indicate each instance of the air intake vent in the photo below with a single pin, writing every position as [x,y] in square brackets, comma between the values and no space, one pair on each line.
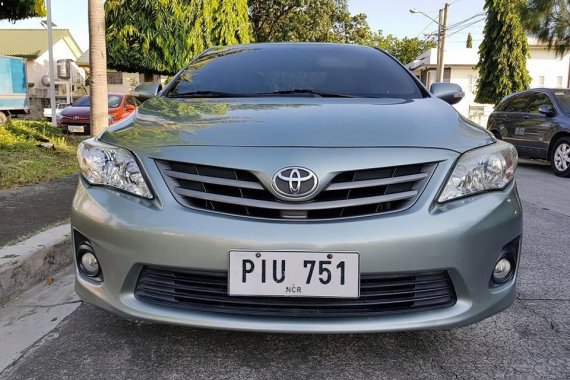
[379,294]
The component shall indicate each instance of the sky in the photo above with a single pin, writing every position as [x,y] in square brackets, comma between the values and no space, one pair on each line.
[391,16]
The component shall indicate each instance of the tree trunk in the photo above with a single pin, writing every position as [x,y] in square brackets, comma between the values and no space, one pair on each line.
[98,67]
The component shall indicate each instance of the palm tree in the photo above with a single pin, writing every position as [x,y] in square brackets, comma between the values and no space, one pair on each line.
[98,67]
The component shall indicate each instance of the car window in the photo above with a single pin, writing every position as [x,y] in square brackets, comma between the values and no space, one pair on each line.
[350,70]
[114,101]
[516,103]
[538,99]
[563,98]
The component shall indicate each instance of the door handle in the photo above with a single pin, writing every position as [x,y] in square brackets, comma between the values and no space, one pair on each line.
[526,117]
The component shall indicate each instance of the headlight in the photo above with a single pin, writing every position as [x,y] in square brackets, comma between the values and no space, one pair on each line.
[489,168]
[103,164]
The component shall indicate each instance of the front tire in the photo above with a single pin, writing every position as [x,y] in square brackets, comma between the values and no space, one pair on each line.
[560,157]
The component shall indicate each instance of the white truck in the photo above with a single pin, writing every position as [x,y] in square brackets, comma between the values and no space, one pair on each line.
[13,87]
[58,108]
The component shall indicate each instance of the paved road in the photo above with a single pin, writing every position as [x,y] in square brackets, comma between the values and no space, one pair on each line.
[25,210]
[530,339]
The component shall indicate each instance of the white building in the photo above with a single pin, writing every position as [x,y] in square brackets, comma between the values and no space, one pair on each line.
[545,69]
[32,45]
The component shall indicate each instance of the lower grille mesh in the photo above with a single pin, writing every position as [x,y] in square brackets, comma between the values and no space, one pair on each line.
[379,294]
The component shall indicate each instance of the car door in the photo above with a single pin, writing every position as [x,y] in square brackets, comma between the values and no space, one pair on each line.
[510,116]
[535,126]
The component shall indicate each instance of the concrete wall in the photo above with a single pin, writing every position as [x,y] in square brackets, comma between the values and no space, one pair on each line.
[129,82]
[546,69]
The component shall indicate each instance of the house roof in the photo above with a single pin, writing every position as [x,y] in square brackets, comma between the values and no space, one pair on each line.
[31,43]
[83,60]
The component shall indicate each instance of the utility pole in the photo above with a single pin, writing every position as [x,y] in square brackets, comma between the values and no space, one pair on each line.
[51,68]
[441,31]
[441,45]
[439,34]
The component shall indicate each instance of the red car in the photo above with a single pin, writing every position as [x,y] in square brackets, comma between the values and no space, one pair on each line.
[77,117]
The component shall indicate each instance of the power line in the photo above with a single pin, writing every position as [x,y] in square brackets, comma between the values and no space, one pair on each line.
[465,27]
[464,21]
[424,29]
[461,25]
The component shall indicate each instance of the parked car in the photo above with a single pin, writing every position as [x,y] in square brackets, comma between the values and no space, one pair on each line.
[537,123]
[298,188]
[77,117]
[58,108]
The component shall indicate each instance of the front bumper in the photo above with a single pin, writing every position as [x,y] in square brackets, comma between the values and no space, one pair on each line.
[464,237]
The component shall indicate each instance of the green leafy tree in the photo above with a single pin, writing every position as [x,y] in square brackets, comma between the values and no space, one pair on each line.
[325,21]
[297,20]
[353,29]
[162,36]
[13,10]
[503,52]
[549,20]
[469,43]
[404,50]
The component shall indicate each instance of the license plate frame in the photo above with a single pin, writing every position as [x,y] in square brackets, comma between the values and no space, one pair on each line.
[76,128]
[293,280]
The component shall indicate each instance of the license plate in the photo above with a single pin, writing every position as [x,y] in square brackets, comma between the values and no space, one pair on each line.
[294,274]
[76,128]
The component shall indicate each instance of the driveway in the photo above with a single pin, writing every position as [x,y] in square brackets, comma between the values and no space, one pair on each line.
[28,209]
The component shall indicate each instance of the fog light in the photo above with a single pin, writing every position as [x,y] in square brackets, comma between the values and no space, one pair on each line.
[502,272]
[90,264]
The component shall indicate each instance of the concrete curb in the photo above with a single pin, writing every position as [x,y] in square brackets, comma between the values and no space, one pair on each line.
[29,262]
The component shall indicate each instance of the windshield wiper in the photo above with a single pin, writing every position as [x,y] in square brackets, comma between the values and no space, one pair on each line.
[307,91]
[206,94]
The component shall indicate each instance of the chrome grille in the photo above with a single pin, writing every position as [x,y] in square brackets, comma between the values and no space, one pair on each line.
[349,194]
[201,290]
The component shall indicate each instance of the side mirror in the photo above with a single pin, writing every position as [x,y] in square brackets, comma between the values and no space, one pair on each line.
[448,92]
[547,110]
[147,90]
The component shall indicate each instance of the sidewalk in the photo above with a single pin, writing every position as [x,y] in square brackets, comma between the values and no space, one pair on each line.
[28,209]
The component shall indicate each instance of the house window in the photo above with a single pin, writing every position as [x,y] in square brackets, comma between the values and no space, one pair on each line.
[541,81]
[559,81]
[114,77]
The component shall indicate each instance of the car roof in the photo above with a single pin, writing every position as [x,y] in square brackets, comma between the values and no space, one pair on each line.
[538,89]
[287,45]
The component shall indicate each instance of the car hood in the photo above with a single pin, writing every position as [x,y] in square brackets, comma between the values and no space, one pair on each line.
[297,122]
[76,111]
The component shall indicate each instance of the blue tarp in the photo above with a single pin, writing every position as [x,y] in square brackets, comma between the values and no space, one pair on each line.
[13,84]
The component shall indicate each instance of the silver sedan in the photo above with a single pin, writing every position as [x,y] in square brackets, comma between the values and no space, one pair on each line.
[298,188]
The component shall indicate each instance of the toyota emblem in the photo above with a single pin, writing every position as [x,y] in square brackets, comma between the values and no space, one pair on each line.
[295,182]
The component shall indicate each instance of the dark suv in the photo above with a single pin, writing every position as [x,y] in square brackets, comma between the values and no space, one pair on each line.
[537,122]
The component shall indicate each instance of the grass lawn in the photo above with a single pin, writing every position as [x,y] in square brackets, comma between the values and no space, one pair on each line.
[23,162]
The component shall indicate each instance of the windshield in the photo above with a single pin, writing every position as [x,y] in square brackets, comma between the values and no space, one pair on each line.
[563,98]
[296,70]
[114,101]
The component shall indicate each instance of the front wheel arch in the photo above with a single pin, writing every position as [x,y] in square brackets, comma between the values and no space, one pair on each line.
[562,139]
[554,140]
